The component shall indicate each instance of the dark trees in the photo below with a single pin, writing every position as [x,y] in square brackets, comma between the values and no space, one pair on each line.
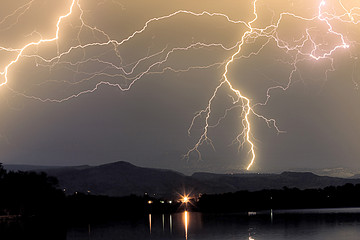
[29,193]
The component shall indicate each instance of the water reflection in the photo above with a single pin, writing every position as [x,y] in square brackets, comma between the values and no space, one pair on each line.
[186,223]
[163,222]
[89,231]
[150,223]
[170,223]
[285,226]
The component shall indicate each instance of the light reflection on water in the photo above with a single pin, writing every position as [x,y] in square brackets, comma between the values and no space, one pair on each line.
[268,225]
[167,222]
[186,223]
[170,223]
[150,223]
[315,224]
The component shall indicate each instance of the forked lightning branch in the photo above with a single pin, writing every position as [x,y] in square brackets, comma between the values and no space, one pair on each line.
[308,47]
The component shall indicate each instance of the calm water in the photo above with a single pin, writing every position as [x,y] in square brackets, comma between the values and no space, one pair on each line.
[342,224]
[324,224]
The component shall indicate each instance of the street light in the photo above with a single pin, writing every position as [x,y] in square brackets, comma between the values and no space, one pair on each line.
[185,200]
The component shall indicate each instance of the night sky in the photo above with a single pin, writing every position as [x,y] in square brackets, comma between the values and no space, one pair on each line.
[116,86]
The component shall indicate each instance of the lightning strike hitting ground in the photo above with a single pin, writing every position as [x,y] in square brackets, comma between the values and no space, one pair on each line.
[310,46]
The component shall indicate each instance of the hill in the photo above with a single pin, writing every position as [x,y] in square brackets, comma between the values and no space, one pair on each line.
[123,178]
[255,182]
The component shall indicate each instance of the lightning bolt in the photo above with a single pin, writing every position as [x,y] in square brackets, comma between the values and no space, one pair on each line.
[246,110]
[309,46]
[245,135]
[21,51]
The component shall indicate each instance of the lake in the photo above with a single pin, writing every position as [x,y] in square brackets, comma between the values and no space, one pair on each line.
[313,224]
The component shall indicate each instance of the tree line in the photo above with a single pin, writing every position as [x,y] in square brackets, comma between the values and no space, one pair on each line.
[32,194]
[347,195]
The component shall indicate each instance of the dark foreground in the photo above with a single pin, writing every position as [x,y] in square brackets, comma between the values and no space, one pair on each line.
[314,225]
[32,207]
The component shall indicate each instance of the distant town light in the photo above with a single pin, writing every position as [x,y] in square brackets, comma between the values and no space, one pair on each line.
[150,202]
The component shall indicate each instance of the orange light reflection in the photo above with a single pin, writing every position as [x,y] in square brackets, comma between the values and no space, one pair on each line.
[186,223]
[150,223]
